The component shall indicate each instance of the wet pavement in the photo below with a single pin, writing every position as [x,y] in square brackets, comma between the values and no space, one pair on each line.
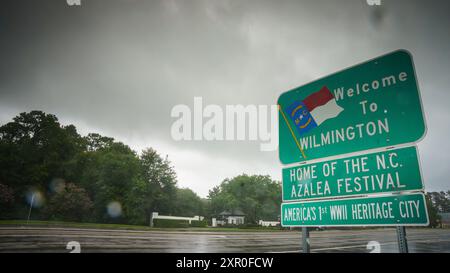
[34,239]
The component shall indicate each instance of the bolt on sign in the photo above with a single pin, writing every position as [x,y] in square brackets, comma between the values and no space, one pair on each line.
[393,210]
[395,170]
[372,105]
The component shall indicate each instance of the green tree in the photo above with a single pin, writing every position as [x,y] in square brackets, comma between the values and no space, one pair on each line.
[433,215]
[440,200]
[259,197]
[188,203]
[154,190]
[109,173]
[34,149]
[96,141]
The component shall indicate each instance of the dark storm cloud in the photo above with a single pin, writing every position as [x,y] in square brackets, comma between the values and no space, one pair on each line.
[118,67]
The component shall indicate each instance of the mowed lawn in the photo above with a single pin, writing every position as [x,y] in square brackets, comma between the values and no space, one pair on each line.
[34,223]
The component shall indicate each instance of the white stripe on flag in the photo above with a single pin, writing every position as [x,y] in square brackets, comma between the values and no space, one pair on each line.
[326,111]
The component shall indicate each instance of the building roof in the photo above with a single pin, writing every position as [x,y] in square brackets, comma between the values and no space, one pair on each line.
[233,212]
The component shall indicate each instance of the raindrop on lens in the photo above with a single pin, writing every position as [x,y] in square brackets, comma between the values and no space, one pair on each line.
[35,198]
[57,185]
[114,209]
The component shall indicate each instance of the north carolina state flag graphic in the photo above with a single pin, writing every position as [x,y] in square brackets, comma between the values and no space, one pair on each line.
[314,110]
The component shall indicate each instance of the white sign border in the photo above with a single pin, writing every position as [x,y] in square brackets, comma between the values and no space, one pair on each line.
[365,225]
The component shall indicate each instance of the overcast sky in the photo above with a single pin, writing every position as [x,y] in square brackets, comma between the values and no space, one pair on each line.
[118,68]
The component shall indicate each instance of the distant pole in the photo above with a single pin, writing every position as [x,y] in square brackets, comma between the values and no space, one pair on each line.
[401,237]
[305,240]
[31,206]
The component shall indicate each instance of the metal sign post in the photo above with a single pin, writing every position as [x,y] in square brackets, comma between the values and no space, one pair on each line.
[305,240]
[401,237]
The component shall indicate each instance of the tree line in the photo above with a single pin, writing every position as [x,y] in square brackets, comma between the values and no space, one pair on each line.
[95,178]
[437,203]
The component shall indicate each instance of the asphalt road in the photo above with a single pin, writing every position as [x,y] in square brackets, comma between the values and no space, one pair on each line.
[34,239]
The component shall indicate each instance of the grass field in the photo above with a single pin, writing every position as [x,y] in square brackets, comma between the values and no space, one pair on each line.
[35,223]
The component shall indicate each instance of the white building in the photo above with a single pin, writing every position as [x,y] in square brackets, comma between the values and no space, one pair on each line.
[233,217]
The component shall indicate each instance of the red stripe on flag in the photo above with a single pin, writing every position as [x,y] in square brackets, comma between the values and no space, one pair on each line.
[318,98]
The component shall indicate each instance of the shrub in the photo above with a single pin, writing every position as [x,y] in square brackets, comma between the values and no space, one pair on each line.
[196,223]
[6,195]
[6,202]
[169,223]
[70,203]
[249,225]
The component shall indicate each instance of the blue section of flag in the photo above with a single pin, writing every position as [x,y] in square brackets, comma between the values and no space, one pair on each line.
[301,117]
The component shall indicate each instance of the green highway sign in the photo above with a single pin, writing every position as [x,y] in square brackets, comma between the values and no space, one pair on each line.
[372,105]
[387,171]
[393,210]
